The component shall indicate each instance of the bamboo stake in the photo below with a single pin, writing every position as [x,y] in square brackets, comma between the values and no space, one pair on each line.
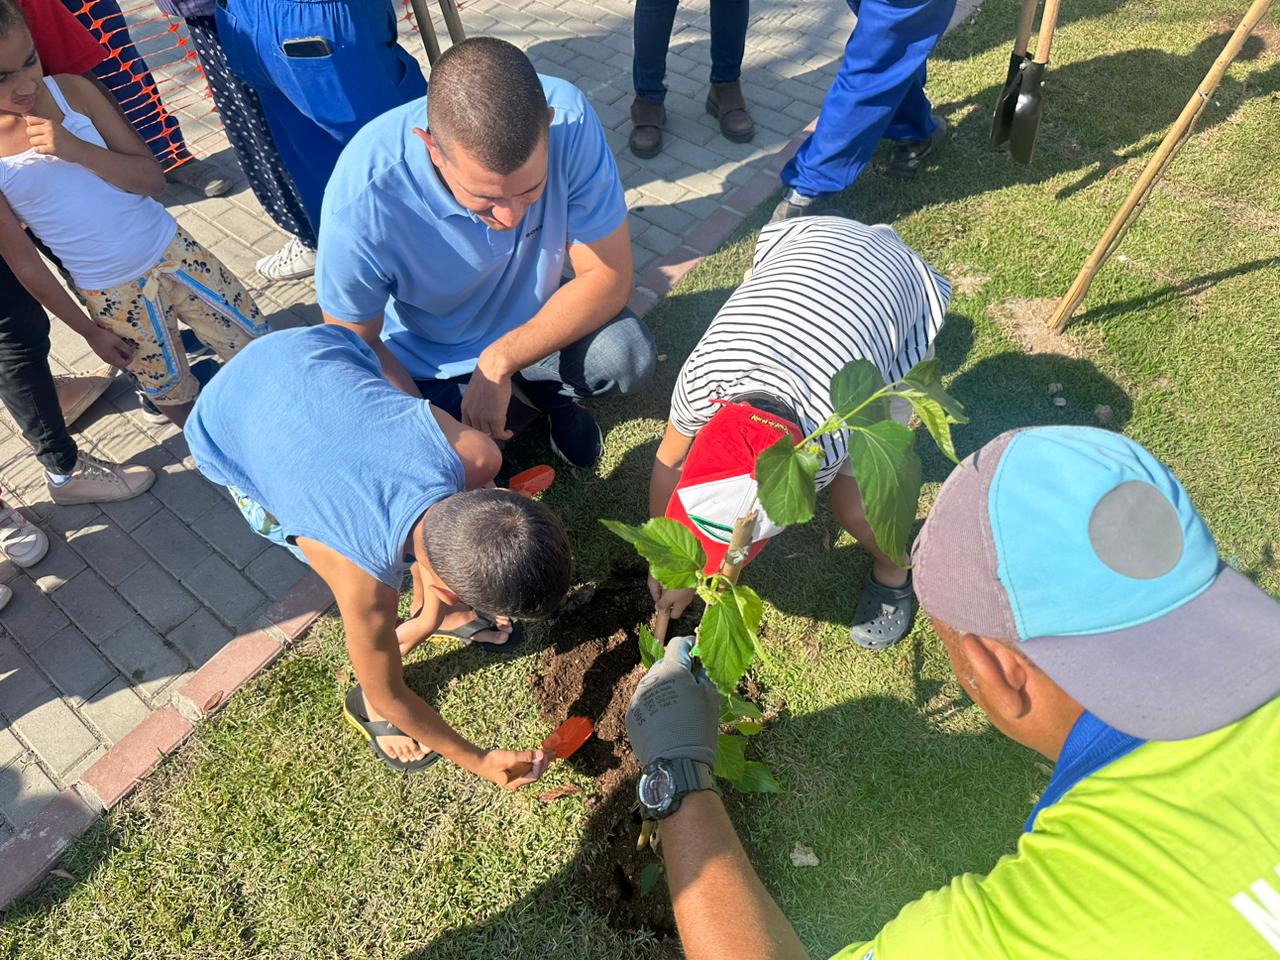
[427,29]
[744,531]
[1178,134]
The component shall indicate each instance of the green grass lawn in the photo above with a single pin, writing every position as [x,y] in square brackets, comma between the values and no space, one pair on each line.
[274,833]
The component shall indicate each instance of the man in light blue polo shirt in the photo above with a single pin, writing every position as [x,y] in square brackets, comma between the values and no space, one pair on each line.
[444,247]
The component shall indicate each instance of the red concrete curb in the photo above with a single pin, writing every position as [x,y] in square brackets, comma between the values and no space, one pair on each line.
[230,669]
[32,851]
[116,774]
[36,847]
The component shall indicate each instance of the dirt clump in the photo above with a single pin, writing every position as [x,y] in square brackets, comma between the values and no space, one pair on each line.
[591,669]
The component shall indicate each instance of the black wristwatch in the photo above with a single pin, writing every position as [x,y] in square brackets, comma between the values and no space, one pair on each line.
[665,782]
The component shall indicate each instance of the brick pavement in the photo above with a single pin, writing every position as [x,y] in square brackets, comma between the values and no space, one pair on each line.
[104,637]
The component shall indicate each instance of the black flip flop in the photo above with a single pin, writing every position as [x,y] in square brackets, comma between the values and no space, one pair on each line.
[883,616]
[353,709]
[480,624]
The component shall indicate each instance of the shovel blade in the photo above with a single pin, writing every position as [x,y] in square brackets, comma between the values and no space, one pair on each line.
[1027,113]
[1002,119]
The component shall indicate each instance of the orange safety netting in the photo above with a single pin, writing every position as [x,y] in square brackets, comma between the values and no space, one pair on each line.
[153,69]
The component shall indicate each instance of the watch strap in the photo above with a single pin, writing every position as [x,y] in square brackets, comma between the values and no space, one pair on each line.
[691,775]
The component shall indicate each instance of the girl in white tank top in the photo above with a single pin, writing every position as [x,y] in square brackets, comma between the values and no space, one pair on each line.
[75,173]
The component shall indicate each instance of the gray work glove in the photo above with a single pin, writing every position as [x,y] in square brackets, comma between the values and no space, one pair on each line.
[674,714]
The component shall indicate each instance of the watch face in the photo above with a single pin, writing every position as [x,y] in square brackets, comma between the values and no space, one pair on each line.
[657,788]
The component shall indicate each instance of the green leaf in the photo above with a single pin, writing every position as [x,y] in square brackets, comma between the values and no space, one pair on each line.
[785,482]
[748,728]
[936,408]
[735,707]
[727,636]
[887,469]
[649,878]
[675,557]
[731,756]
[651,648]
[757,778]
[855,384]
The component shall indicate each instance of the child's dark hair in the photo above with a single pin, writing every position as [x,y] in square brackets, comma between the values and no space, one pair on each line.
[10,17]
[501,553]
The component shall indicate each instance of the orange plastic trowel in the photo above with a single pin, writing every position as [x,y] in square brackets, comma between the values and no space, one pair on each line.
[561,743]
[533,481]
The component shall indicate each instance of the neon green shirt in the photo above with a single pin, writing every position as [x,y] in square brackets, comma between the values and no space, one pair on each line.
[1171,852]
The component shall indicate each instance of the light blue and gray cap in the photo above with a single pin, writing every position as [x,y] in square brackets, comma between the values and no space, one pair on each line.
[1085,550]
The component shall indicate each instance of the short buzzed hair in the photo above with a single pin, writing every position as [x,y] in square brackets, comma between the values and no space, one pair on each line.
[501,553]
[485,97]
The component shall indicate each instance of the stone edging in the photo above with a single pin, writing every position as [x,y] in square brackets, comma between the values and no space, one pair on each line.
[31,852]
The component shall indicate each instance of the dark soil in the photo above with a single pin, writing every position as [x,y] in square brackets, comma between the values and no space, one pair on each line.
[591,670]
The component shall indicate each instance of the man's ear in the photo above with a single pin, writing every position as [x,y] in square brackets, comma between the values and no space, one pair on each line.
[433,148]
[1000,673]
[551,115]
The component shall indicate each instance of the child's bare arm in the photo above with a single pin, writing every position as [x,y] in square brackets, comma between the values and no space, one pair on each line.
[24,260]
[126,162]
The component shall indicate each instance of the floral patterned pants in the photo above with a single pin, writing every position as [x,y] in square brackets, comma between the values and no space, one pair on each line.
[189,284]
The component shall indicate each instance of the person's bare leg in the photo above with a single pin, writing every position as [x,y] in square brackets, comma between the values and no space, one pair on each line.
[846,504]
[176,412]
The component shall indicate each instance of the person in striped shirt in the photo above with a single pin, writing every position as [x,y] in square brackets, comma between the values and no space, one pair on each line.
[821,292]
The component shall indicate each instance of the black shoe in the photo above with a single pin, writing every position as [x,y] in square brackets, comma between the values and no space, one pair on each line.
[575,436]
[908,156]
[797,204]
[202,369]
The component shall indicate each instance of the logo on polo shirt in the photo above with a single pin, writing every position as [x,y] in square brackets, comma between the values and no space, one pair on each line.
[534,232]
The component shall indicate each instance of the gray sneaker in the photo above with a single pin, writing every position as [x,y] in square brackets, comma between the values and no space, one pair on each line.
[95,481]
[22,542]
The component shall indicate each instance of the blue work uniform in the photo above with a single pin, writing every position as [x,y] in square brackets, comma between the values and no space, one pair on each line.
[879,92]
[315,104]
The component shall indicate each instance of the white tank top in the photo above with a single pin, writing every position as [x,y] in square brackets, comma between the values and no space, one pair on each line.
[103,235]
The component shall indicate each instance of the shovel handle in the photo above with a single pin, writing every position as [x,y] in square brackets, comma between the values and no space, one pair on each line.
[1047,22]
[1026,20]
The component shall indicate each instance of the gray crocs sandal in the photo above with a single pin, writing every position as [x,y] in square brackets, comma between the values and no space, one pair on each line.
[883,616]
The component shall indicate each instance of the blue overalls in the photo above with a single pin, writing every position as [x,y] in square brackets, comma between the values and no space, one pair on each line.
[314,105]
[879,92]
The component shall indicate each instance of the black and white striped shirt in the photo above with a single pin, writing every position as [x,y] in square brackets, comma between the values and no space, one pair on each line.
[822,291]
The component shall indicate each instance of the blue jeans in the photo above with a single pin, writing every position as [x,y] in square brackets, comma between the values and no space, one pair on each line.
[617,358]
[125,74]
[879,92]
[314,105]
[651,30]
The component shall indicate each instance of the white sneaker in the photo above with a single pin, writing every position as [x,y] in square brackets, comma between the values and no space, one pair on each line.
[22,542]
[291,262]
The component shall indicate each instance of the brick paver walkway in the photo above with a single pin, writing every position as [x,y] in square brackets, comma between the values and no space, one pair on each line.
[134,597]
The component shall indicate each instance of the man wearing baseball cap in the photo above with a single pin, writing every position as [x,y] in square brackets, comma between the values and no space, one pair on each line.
[1085,609]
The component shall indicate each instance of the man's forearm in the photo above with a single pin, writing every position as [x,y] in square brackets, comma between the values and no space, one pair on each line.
[722,909]
[581,306]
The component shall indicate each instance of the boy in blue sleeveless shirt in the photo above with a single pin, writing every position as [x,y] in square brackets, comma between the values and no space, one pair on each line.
[363,482]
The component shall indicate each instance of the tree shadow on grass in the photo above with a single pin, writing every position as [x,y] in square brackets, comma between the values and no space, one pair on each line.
[1099,113]
[892,805]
